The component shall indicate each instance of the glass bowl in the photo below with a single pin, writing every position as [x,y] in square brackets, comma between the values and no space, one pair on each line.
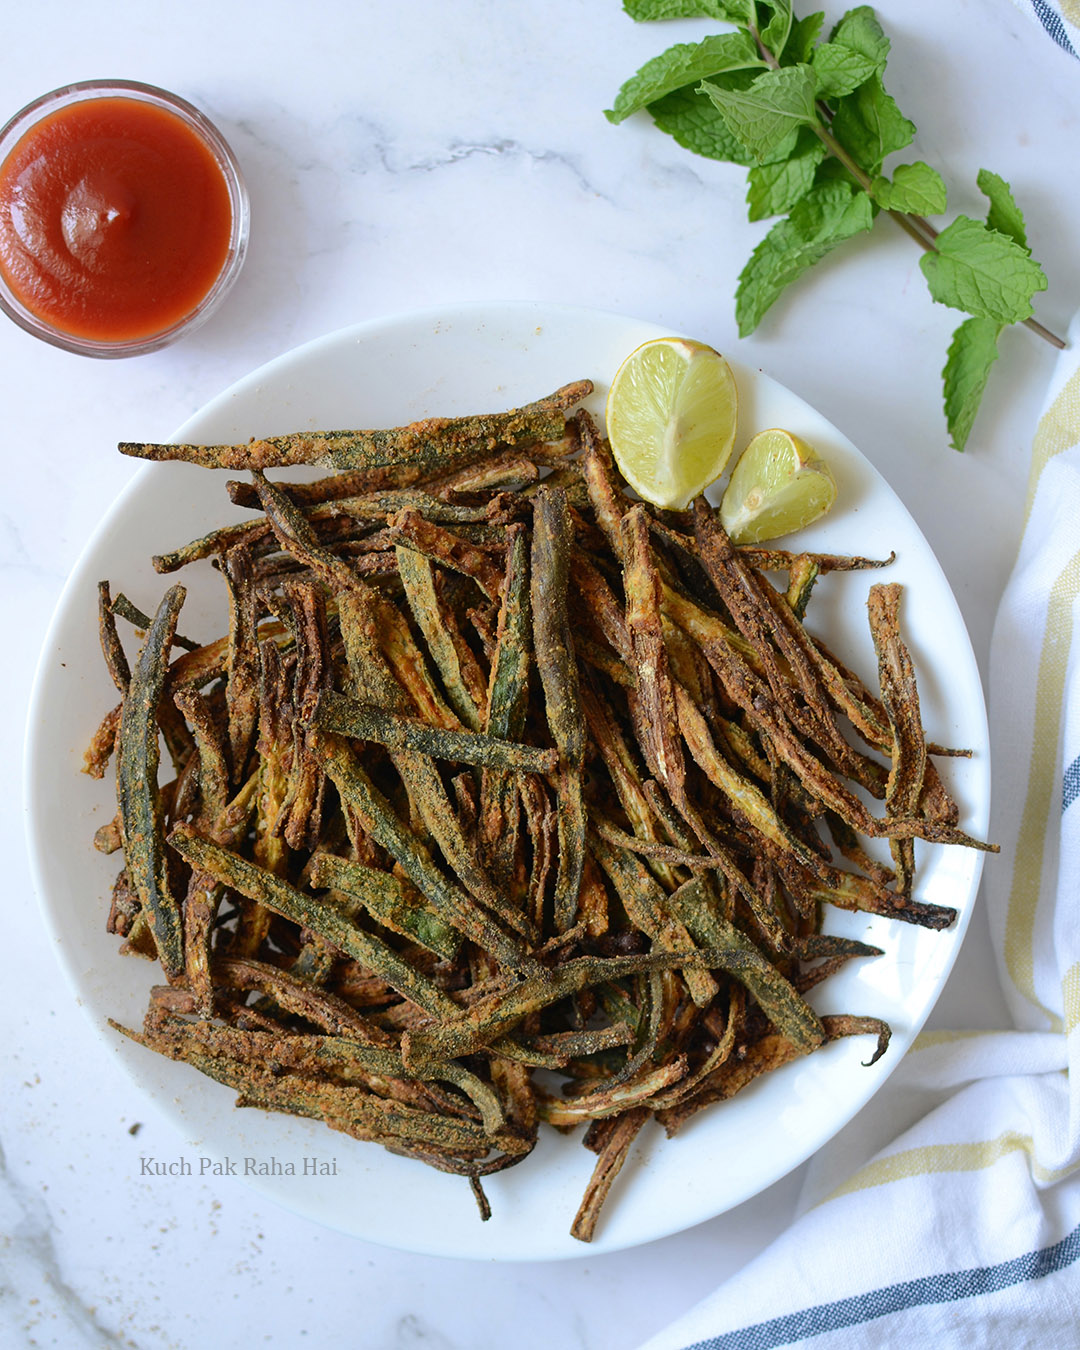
[51,329]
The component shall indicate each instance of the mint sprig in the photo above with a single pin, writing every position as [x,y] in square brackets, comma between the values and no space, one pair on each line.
[812,122]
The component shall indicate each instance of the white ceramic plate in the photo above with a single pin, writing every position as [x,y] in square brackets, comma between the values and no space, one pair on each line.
[473,359]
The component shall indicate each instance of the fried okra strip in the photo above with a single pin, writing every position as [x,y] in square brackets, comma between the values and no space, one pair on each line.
[900,696]
[452,903]
[770,1052]
[777,997]
[337,712]
[212,544]
[111,647]
[388,899]
[297,537]
[609,503]
[380,506]
[847,1024]
[406,661]
[653,703]
[448,549]
[123,608]
[418,577]
[333,488]
[561,1048]
[565,1112]
[845,890]
[495,1015]
[213,760]
[353,1110]
[373,680]
[177,738]
[503,471]
[508,683]
[339,1057]
[141,810]
[809,977]
[427,794]
[369,674]
[801,577]
[552,640]
[313,673]
[298,997]
[745,797]
[648,909]
[623,772]
[242,677]
[779,560]
[425,445]
[796,687]
[554,648]
[505,709]
[276,894]
[666,853]
[102,744]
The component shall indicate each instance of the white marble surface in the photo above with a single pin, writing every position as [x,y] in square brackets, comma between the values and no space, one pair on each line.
[410,154]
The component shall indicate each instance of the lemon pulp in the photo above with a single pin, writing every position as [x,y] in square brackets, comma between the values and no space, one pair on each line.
[779,484]
[671,416]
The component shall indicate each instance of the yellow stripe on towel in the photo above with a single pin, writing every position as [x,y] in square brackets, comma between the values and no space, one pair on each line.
[1058,430]
[1070,997]
[938,1158]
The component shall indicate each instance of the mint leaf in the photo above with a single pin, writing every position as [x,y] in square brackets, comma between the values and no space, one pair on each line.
[870,126]
[644,10]
[774,32]
[840,70]
[685,63]
[985,273]
[830,170]
[742,12]
[767,116]
[825,217]
[1004,215]
[856,50]
[972,351]
[860,30]
[916,188]
[773,189]
[800,44]
[697,124]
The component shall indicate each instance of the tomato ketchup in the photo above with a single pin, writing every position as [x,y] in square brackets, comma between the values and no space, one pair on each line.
[117,216]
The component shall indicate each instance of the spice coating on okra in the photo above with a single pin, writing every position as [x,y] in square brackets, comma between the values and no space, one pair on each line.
[499,772]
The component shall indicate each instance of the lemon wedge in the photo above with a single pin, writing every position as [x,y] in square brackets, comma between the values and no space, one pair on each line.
[778,484]
[671,415]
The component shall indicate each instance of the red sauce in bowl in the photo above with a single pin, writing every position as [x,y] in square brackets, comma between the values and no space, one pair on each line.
[116,219]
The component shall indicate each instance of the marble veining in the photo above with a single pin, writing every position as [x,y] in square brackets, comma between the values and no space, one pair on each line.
[44,1308]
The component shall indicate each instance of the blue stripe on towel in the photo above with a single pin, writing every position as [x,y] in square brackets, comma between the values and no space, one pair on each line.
[1070,784]
[1051,21]
[946,1288]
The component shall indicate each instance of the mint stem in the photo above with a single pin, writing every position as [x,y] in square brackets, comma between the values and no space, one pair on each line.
[918,227]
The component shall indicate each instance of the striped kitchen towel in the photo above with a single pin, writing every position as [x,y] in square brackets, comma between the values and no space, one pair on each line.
[1059,18]
[948,1212]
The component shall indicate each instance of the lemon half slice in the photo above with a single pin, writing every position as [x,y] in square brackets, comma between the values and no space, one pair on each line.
[671,415]
[779,484]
